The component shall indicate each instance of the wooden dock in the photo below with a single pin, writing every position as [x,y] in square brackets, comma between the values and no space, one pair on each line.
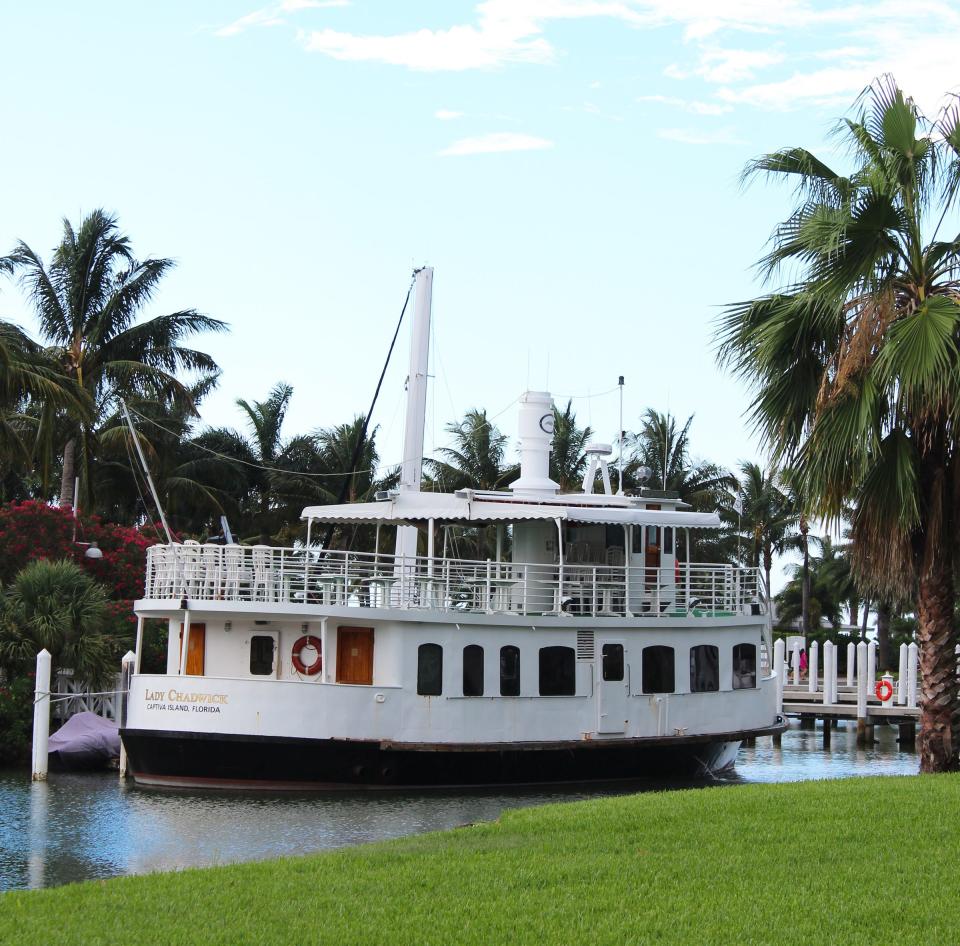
[821,695]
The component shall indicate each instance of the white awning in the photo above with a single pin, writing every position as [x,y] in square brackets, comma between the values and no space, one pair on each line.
[414,508]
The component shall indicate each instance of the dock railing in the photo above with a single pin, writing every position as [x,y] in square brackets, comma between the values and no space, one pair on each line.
[263,573]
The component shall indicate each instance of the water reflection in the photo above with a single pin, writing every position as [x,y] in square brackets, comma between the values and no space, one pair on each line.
[77,827]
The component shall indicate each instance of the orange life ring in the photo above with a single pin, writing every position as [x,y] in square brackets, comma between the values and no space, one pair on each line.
[308,640]
[884,690]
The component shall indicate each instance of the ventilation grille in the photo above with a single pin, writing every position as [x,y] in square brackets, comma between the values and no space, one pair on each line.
[584,645]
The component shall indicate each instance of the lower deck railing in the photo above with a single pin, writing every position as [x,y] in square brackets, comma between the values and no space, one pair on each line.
[355,579]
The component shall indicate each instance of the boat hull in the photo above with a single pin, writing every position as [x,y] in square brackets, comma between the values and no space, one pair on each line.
[190,760]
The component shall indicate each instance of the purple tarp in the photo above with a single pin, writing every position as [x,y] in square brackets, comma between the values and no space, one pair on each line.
[85,741]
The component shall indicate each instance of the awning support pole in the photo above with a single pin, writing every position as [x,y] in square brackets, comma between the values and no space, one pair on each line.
[627,552]
[560,570]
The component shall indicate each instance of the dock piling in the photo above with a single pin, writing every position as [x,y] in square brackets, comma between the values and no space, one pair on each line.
[862,658]
[912,655]
[812,666]
[902,673]
[126,672]
[851,663]
[41,717]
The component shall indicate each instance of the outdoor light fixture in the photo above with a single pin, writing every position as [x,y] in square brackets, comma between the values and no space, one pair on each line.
[93,551]
[183,604]
[228,625]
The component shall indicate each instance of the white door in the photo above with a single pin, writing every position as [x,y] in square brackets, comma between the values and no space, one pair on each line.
[612,687]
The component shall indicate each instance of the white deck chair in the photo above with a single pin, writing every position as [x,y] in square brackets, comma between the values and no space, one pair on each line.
[263,578]
[232,565]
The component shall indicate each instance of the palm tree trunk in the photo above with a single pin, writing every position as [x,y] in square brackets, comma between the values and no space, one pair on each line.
[805,591]
[884,612]
[939,739]
[69,474]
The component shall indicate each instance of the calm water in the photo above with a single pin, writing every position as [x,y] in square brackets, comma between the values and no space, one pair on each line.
[77,827]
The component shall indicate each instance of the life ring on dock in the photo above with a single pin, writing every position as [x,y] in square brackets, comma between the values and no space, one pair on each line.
[884,690]
[308,640]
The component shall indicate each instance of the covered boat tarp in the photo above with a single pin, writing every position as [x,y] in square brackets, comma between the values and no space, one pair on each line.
[84,741]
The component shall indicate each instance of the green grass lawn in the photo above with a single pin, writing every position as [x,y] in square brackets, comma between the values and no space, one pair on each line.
[853,861]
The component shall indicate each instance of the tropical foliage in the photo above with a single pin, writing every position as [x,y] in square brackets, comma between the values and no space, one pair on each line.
[855,361]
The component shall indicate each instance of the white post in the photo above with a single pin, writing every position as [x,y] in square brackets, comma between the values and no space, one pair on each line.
[861,689]
[829,673]
[872,664]
[851,663]
[912,661]
[813,666]
[779,669]
[138,647]
[185,643]
[888,678]
[41,717]
[412,460]
[902,674]
[126,673]
[796,663]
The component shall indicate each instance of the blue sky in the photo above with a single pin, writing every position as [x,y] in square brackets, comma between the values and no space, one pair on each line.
[569,167]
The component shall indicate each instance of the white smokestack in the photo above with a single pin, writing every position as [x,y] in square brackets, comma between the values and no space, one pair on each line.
[535,429]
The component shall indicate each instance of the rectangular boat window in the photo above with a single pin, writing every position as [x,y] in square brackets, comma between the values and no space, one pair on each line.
[558,671]
[510,671]
[704,669]
[668,541]
[429,670]
[261,655]
[612,656]
[657,671]
[637,543]
[745,667]
[473,670]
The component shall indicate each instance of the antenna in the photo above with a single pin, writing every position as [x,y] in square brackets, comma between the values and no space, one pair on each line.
[620,430]
[146,470]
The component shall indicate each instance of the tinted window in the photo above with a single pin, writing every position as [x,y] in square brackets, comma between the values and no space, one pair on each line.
[668,541]
[509,671]
[658,673]
[744,666]
[429,669]
[473,670]
[558,671]
[704,669]
[261,654]
[612,655]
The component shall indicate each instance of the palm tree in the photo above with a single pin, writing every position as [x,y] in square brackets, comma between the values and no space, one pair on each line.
[57,605]
[829,582]
[476,460]
[665,451]
[856,364]
[769,520]
[568,461]
[87,301]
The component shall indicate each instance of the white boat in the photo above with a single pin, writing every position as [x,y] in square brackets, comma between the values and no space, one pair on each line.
[588,647]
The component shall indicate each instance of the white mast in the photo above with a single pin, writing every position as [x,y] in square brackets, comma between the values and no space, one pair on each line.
[415,422]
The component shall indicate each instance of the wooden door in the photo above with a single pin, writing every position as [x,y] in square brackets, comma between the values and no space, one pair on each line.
[355,655]
[196,646]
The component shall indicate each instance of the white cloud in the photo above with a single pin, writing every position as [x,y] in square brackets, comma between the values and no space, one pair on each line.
[693,106]
[696,136]
[447,115]
[273,15]
[505,31]
[496,142]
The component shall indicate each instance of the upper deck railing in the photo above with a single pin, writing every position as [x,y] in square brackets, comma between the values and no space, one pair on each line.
[263,573]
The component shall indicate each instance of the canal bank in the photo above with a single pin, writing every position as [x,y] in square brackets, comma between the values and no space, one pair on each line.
[833,861]
[83,827]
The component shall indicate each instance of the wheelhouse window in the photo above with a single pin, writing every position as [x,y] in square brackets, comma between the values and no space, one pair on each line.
[558,671]
[473,670]
[429,670]
[510,671]
[704,668]
[261,655]
[612,662]
[657,669]
[745,667]
[668,534]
